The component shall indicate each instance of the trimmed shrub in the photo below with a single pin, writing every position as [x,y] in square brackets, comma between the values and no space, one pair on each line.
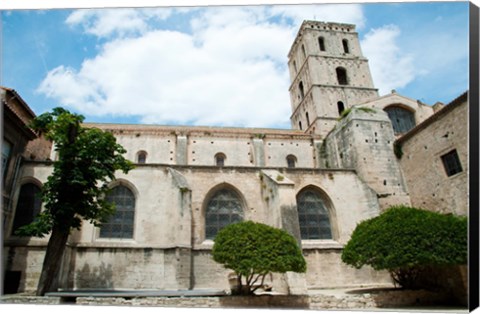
[405,240]
[254,250]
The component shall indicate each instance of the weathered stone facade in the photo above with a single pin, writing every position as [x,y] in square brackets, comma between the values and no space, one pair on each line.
[344,162]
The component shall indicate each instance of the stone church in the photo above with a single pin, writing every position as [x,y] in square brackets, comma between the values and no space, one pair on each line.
[349,155]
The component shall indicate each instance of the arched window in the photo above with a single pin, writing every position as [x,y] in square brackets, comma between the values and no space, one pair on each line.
[308,119]
[303,51]
[120,225]
[313,215]
[142,157]
[342,76]
[301,90]
[291,161]
[341,107]
[403,120]
[220,159]
[300,124]
[321,43]
[345,46]
[223,209]
[28,206]
[295,66]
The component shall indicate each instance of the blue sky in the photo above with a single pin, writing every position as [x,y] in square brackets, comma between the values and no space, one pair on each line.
[219,66]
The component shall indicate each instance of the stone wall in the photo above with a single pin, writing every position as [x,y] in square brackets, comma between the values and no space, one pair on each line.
[429,185]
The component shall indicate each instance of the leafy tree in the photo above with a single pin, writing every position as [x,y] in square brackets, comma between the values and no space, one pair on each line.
[87,161]
[405,240]
[254,250]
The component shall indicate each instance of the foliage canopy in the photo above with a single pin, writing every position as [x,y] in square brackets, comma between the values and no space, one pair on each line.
[403,240]
[87,161]
[254,250]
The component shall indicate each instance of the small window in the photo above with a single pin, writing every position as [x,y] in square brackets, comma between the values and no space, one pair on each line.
[345,46]
[28,206]
[451,162]
[142,157]
[303,51]
[301,90]
[300,124]
[220,160]
[321,43]
[308,119]
[295,66]
[291,161]
[120,225]
[341,107]
[342,76]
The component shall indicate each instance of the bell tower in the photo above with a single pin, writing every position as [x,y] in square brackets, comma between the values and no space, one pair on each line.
[329,74]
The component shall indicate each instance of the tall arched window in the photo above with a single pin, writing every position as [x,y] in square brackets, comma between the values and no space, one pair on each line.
[223,209]
[303,51]
[345,46]
[313,215]
[342,76]
[295,66]
[321,43]
[403,120]
[341,107]
[142,157]
[308,119]
[28,206]
[220,159]
[300,124]
[120,225]
[291,161]
[301,90]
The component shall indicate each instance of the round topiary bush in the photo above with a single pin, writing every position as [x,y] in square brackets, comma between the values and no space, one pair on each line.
[405,240]
[254,250]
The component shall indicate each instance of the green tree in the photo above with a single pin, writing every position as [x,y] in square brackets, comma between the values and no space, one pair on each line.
[405,240]
[87,161]
[254,250]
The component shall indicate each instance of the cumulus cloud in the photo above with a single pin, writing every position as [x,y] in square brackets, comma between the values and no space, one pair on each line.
[391,68]
[228,68]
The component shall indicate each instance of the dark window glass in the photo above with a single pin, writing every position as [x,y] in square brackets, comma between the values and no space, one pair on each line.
[303,51]
[6,151]
[313,216]
[120,225]
[300,124]
[301,90]
[308,119]
[402,120]
[321,43]
[342,76]
[223,208]
[341,107]
[345,46]
[28,206]
[291,160]
[142,157]
[220,160]
[451,162]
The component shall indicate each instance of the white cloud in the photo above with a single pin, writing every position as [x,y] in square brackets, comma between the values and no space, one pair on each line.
[390,66]
[229,69]
[107,22]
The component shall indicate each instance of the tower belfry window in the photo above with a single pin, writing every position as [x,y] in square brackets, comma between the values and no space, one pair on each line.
[321,43]
[341,107]
[301,90]
[342,76]
[345,46]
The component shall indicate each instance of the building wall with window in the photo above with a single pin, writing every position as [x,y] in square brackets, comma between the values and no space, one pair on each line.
[435,160]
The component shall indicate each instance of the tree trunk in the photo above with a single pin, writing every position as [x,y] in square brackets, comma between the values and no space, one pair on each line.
[53,260]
